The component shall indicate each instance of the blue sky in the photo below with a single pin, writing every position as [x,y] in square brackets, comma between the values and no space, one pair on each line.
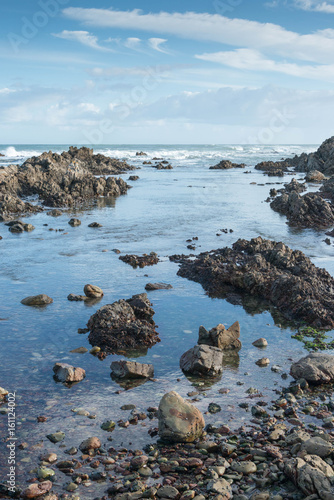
[223,71]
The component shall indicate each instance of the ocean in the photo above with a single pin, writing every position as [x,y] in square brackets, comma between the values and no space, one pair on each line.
[162,210]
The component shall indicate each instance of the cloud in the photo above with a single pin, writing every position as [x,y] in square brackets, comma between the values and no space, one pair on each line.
[83,37]
[268,37]
[247,59]
[315,6]
[155,44]
[6,91]
[133,43]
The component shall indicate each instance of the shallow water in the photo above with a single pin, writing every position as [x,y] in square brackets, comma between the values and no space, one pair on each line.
[159,214]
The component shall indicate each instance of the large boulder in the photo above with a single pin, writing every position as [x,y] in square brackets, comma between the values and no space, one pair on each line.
[317,446]
[131,369]
[317,368]
[227,164]
[37,300]
[312,476]
[179,421]
[220,337]
[267,272]
[202,360]
[125,324]
[140,261]
[67,373]
[93,291]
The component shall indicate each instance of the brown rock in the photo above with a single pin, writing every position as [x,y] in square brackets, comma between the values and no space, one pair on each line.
[67,373]
[36,490]
[93,291]
[37,300]
[220,337]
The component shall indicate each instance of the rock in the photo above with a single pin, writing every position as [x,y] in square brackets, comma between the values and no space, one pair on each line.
[137,261]
[93,291]
[36,490]
[67,373]
[75,222]
[317,446]
[37,300]
[131,369]
[92,443]
[227,164]
[220,487]
[3,393]
[168,492]
[316,368]
[109,425]
[95,224]
[157,286]
[79,350]
[214,408]
[163,166]
[133,178]
[76,298]
[267,271]
[309,210]
[246,467]
[202,360]
[312,475]
[220,337]
[260,343]
[272,168]
[314,176]
[56,437]
[141,153]
[49,457]
[263,362]
[179,421]
[54,213]
[123,325]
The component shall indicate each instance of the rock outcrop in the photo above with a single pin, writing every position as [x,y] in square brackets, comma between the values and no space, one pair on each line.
[202,360]
[271,168]
[316,368]
[225,339]
[312,476]
[269,271]
[59,180]
[140,261]
[227,164]
[179,421]
[125,324]
[309,210]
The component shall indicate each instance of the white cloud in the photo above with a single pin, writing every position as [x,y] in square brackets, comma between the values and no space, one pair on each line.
[133,43]
[268,37]
[6,91]
[247,59]
[83,37]
[89,107]
[315,6]
[155,44]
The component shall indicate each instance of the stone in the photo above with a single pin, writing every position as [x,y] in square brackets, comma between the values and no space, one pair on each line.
[109,425]
[72,297]
[56,437]
[36,490]
[202,360]
[179,421]
[312,475]
[3,393]
[168,492]
[220,337]
[314,176]
[131,369]
[67,373]
[157,286]
[140,261]
[123,325]
[220,487]
[133,178]
[317,446]
[227,164]
[95,224]
[75,222]
[92,443]
[245,467]
[79,350]
[263,362]
[45,473]
[93,291]
[260,342]
[37,300]
[49,457]
[316,368]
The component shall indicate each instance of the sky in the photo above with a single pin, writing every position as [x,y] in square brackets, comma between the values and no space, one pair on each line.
[167,72]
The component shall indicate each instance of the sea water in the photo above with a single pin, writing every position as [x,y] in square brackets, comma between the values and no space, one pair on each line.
[163,209]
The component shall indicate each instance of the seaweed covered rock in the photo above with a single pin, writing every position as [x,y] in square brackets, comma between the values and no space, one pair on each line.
[309,210]
[227,164]
[125,324]
[140,261]
[270,271]
[59,180]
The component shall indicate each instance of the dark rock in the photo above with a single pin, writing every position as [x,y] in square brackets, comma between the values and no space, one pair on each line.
[133,178]
[140,261]
[123,325]
[317,368]
[227,164]
[141,154]
[269,271]
[309,210]
[271,168]
[75,222]
[314,176]
[95,224]
[163,166]
[158,286]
